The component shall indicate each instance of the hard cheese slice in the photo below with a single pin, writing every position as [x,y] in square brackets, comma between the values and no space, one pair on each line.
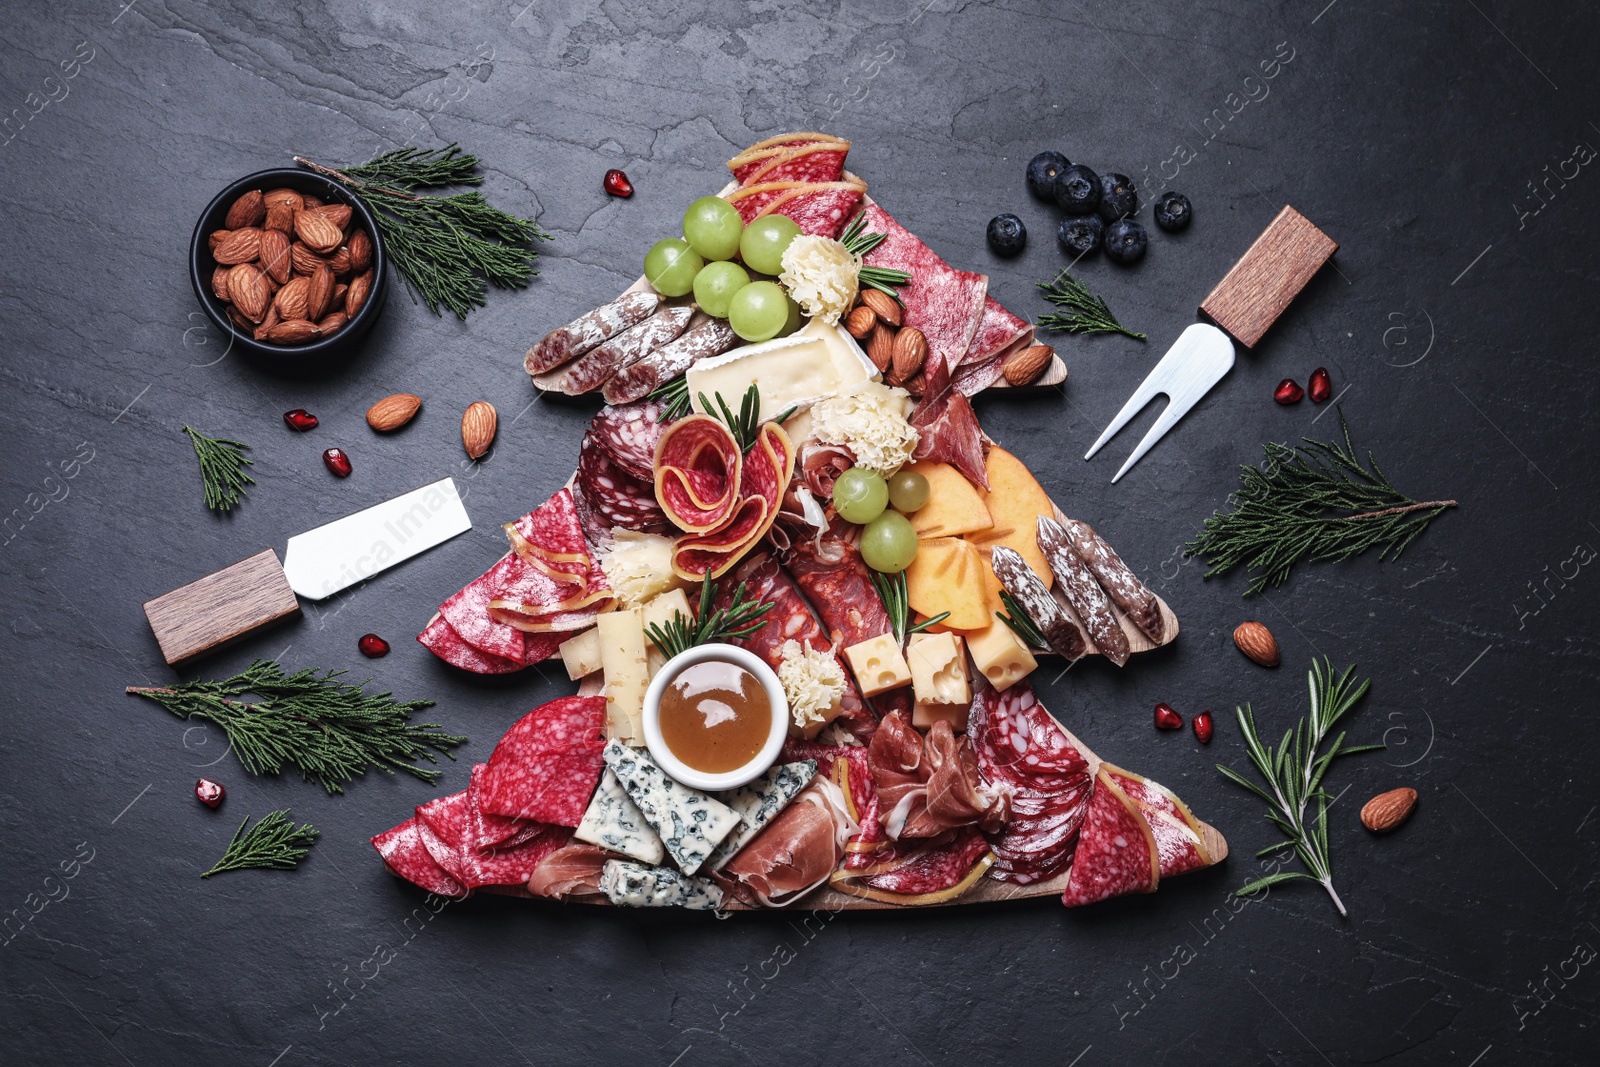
[633,885]
[615,824]
[690,823]
[759,803]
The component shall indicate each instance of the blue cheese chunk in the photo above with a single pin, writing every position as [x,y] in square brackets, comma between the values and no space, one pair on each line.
[615,823]
[759,803]
[633,885]
[690,823]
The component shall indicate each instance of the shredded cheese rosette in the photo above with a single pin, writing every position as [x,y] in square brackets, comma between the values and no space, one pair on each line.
[821,275]
[871,421]
[812,680]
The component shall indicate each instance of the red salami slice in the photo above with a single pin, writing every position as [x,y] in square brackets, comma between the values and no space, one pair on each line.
[1174,827]
[589,331]
[934,868]
[440,638]
[837,582]
[547,765]
[402,850]
[550,539]
[629,433]
[698,465]
[819,208]
[531,601]
[490,832]
[657,368]
[514,864]
[815,157]
[1116,851]
[592,370]
[444,825]
[615,497]
[765,473]
[468,612]
[999,334]
[946,304]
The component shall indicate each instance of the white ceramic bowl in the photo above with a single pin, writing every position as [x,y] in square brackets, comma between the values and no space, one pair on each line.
[727,779]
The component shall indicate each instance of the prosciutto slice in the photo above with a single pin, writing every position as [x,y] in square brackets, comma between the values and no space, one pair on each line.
[929,786]
[947,427]
[797,851]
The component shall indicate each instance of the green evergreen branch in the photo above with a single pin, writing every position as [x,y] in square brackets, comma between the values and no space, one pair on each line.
[858,241]
[1293,774]
[446,248]
[1082,311]
[1313,502]
[740,618]
[330,731]
[272,843]
[897,602]
[222,464]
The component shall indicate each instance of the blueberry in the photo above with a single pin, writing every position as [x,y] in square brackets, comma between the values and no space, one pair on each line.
[1118,197]
[1173,212]
[1007,235]
[1079,235]
[1042,171]
[1126,242]
[1078,190]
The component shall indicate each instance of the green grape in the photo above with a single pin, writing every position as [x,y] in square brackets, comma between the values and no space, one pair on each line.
[889,544]
[757,311]
[908,491]
[764,241]
[671,265]
[713,227]
[794,322]
[860,495]
[715,285]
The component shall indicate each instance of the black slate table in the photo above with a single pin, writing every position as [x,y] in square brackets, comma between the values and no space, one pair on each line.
[1445,146]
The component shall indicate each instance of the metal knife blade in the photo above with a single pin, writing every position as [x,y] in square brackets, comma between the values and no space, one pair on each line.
[323,561]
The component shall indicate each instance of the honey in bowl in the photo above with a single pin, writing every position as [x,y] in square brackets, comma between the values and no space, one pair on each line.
[715,716]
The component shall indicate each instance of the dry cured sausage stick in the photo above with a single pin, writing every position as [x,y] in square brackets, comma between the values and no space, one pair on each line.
[1083,593]
[588,332]
[1030,593]
[593,369]
[657,368]
[1125,590]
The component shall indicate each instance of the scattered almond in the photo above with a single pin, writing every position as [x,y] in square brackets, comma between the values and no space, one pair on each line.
[317,231]
[1024,365]
[860,321]
[883,305]
[240,246]
[293,332]
[249,210]
[909,351]
[393,412]
[1257,642]
[1388,810]
[880,346]
[319,292]
[478,424]
[247,289]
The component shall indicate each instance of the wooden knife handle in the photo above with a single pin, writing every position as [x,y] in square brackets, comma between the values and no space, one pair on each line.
[220,608]
[1252,295]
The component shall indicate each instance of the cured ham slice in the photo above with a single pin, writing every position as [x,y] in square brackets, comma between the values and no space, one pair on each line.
[928,786]
[570,872]
[947,428]
[1117,853]
[946,304]
[797,851]
[547,765]
[999,334]
[849,769]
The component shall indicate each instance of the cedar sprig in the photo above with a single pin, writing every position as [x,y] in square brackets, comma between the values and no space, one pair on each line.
[897,602]
[1021,622]
[1310,503]
[329,730]
[222,464]
[858,241]
[273,843]
[447,248]
[740,618]
[1293,774]
[1081,311]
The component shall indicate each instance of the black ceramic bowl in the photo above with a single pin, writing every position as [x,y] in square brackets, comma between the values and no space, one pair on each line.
[202,265]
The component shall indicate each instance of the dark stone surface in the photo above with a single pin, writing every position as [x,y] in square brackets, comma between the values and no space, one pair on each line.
[1461,327]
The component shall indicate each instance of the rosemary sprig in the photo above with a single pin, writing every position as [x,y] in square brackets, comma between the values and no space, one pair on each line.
[272,843]
[445,247]
[222,464]
[1293,773]
[329,730]
[746,425]
[675,395]
[1021,622]
[1082,311]
[858,241]
[897,602]
[740,618]
[1312,502]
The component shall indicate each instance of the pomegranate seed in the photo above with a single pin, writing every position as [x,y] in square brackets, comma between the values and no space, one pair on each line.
[372,646]
[1288,392]
[617,184]
[337,462]
[300,419]
[1202,727]
[1321,387]
[209,793]
[1167,719]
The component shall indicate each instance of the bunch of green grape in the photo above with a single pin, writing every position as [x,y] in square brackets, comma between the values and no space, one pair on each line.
[880,505]
[702,262]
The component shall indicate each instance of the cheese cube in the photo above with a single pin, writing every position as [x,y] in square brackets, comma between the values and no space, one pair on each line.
[621,636]
[659,612]
[878,664]
[581,654]
[925,713]
[999,655]
[938,669]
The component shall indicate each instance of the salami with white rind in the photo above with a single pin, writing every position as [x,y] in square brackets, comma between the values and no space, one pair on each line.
[1125,590]
[588,332]
[593,369]
[1031,595]
[1082,592]
[660,366]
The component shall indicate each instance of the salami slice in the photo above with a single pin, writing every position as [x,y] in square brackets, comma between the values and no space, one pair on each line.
[547,765]
[489,832]
[402,850]
[818,208]
[629,434]
[550,539]
[593,369]
[1176,831]
[816,157]
[946,304]
[615,497]
[998,330]
[589,331]
[531,601]
[444,825]
[763,476]
[933,868]
[440,638]
[1116,850]
[848,767]
[698,466]
[657,368]
[1033,597]
[831,573]
[1083,594]
[467,612]
[1126,590]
